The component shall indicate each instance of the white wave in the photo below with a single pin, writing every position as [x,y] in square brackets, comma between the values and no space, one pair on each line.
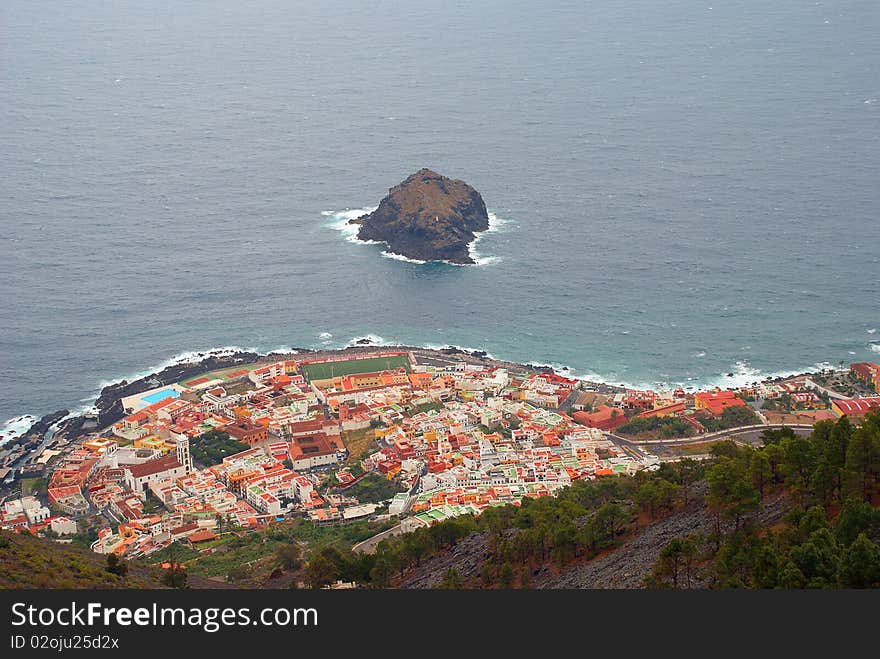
[325,335]
[701,353]
[368,339]
[870,101]
[496,224]
[187,357]
[873,330]
[401,257]
[744,374]
[349,213]
[282,350]
[340,221]
[437,346]
[17,426]
[875,347]
[852,352]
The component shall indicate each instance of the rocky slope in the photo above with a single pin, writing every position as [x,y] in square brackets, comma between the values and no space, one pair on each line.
[629,565]
[624,567]
[427,217]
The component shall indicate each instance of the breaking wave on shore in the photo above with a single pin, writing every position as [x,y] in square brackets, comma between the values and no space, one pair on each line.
[742,373]
[187,357]
[16,427]
[341,221]
[366,340]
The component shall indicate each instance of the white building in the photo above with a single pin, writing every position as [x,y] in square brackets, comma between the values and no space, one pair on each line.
[401,503]
[138,476]
[62,525]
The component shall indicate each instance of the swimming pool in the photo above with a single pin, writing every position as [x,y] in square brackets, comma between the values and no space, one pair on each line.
[162,394]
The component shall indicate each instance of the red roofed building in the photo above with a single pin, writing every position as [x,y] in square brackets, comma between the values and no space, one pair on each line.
[305,428]
[315,450]
[666,410]
[247,432]
[138,476]
[603,418]
[717,401]
[867,372]
[855,407]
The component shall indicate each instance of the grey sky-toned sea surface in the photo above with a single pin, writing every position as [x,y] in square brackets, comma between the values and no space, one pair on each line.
[681,190]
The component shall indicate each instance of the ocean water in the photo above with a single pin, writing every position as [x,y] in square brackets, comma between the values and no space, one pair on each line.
[682,189]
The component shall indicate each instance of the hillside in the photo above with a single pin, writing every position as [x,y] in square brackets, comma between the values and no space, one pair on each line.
[31,562]
[795,513]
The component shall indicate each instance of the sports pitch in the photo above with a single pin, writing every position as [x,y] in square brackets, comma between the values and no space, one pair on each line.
[327,370]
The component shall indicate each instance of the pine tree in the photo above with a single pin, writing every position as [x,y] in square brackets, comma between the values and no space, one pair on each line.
[860,565]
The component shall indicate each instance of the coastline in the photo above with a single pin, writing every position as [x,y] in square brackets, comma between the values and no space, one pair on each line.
[106,408]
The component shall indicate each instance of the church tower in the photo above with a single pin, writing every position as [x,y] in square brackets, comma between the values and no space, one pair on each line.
[183,454]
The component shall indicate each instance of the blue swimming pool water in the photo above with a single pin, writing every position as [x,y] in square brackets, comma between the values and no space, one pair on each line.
[161,395]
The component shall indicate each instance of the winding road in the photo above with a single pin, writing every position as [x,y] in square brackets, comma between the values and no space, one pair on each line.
[749,432]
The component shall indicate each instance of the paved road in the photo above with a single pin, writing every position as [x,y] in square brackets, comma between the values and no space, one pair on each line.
[369,545]
[745,432]
[565,406]
[810,384]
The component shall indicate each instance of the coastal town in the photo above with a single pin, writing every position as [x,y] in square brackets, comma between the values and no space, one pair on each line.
[403,436]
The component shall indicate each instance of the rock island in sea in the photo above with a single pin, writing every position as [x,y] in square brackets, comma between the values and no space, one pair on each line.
[427,217]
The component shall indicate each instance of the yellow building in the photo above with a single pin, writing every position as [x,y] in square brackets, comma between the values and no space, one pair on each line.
[153,442]
[99,445]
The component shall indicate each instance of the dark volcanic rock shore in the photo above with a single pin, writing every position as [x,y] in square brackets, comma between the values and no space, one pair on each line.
[427,217]
[109,402]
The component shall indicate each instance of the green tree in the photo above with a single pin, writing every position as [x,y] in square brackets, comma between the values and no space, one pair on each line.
[116,565]
[564,534]
[760,472]
[689,471]
[775,455]
[609,522]
[238,573]
[791,577]
[731,491]
[860,565]
[174,577]
[320,571]
[818,559]
[862,463]
[383,569]
[451,580]
[290,556]
[799,464]
[823,481]
[505,575]
[416,546]
[766,564]
[857,517]
[673,558]
[647,497]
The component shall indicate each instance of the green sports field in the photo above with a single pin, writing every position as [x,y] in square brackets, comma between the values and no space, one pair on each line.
[327,370]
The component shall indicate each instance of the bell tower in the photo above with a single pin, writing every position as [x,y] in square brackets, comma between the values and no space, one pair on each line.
[183,454]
